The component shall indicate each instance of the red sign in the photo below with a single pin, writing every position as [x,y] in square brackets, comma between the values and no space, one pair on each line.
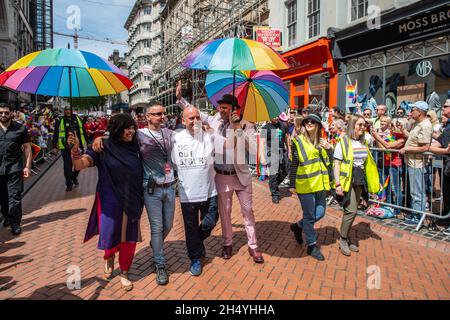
[269,36]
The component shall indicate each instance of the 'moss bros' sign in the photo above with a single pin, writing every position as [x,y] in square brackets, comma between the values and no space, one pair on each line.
[269,36]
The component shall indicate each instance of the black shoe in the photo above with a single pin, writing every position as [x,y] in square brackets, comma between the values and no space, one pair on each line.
[69,188]
[16,230]
[161,275]
[275,200]
[314,252]
[295,228]
[6,223]
[75,182]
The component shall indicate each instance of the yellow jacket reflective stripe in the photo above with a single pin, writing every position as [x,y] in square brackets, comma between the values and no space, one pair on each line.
[312,174]
[62,133]
[346,168]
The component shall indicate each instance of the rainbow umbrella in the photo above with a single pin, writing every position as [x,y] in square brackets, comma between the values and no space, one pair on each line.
[234,54]
[65,73]
[261,94]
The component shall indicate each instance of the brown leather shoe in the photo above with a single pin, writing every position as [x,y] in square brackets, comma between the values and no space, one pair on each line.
[227,251]
[256,255]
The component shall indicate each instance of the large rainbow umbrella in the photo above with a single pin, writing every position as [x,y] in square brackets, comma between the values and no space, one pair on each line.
[65,73]
[261,94]
[234,54]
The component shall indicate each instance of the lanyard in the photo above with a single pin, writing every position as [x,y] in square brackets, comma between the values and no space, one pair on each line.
[163,148]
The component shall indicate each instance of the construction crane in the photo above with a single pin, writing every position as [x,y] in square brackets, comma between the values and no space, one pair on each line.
[75,37]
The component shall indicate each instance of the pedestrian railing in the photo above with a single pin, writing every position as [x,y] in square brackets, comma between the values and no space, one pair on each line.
[412,183]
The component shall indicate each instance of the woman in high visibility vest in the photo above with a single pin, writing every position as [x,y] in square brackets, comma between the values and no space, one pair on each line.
[355,171]
[309,176]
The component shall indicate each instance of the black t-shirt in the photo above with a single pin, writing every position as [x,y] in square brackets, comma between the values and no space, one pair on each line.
[11,154]
[278,130]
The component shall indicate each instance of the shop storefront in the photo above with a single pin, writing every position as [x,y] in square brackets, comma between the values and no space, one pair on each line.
[407,59]
[312,76]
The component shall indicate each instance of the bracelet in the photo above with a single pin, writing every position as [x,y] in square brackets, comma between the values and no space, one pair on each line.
[337,185]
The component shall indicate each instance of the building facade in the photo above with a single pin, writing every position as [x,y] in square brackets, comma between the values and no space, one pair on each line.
[314,76]
[121,100]
[144,50]
[188,23]
[42,23]
[16,40]
[405,59]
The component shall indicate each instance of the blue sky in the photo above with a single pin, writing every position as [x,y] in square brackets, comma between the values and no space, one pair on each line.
[98,18]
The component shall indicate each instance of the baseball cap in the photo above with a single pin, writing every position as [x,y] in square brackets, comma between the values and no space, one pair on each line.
[421,105]
[447,103]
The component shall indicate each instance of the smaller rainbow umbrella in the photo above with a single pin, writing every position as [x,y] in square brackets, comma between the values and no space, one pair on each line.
[261,94]
[65,73]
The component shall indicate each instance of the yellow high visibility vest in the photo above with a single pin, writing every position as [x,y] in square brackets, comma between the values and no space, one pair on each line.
[312,174]
[62,133]
[346,168]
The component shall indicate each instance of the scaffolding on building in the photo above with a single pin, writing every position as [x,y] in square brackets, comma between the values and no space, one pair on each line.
[189,23]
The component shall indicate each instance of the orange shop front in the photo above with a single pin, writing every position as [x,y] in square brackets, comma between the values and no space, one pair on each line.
[312,75]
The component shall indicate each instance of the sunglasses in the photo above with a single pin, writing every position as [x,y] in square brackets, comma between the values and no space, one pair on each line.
[5,112]
[400,114]
[157,114]
[309,121]
[367,114]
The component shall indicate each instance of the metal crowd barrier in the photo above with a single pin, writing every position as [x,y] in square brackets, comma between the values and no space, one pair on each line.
[415,183]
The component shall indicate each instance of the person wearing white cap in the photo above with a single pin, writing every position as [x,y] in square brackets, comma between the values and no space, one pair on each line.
[419,141]
[442,147]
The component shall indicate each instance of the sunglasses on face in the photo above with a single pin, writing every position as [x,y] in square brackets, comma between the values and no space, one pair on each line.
[157,114]
[310,121]
[6,113]
[367,114]
[400,114]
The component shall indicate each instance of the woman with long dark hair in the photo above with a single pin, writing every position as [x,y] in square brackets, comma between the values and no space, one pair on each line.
[118,202]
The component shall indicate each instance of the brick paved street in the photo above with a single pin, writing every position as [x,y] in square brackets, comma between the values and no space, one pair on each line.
[35,264]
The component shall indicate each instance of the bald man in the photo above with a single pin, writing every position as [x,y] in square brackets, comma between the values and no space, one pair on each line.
[192,155]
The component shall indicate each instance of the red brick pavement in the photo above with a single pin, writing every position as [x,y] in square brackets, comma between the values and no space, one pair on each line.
[35,264]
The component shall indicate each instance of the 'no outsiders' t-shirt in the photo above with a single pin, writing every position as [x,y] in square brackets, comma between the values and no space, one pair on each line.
[194,161]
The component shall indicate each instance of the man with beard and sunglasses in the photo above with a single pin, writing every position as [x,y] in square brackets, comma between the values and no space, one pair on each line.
[14,141]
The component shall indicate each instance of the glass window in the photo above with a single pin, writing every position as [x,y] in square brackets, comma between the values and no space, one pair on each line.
[313,18]
[292,22]
[359,9]
[319,91]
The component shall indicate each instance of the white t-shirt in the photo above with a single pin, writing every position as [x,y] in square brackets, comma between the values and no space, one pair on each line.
[193,158]
[359,153]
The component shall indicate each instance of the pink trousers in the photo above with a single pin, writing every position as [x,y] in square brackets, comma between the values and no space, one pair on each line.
[226,186]
[126,254]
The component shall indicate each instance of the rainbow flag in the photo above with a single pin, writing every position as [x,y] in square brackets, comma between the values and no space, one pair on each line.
[382,194]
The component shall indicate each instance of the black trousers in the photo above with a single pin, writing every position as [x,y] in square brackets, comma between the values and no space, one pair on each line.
[69,173]
[197,232]
[277,177]
[11,188]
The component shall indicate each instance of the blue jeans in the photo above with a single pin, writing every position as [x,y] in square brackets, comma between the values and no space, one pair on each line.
[160,208]
[395,186]
[417,189]
[313,207]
